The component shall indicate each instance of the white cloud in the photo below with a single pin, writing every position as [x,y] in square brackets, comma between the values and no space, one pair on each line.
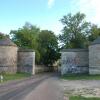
[56,27]
[50,3]
[90,7]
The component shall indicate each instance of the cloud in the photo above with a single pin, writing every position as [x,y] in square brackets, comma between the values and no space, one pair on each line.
[54,26]
[50,3]
[90,7]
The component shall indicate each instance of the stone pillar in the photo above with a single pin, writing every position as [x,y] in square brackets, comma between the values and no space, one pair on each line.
[26,61]
[94,57]
[8,56]
[33,72]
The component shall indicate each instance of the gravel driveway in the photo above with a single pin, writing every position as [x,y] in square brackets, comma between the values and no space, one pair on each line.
[87,88]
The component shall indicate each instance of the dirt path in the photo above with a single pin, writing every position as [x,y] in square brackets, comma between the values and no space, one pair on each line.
[42,87]
[47,90]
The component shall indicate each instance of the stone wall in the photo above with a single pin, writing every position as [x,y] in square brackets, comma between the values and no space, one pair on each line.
[74,61]
[94,59]
[26,61]
[42,68]
[8,59]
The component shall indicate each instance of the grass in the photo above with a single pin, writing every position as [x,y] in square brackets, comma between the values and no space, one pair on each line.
[8,77]
[83,98]
[81,77]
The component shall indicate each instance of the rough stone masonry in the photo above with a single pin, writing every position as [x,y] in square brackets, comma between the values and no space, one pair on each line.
[74,61]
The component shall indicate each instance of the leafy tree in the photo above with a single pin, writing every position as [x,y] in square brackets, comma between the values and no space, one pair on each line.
[75,31]
[48,47]
[26,37]
[95,32]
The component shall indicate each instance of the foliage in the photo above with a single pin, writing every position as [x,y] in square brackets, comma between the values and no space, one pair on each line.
[95,32]
[26,37]
[75,31]
[3,35]
[48,47]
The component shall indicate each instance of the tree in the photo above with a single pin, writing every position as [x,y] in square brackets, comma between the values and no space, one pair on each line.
[26,37]
[75,31]
[48,47]
[43,42]
[95,32]
[2,35]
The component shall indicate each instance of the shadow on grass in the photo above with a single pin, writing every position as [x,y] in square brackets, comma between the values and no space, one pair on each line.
[83,98]
[80,77]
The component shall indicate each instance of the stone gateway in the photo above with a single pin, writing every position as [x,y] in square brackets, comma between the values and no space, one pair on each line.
[81,61]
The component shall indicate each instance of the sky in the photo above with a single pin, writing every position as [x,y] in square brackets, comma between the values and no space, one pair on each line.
[45,14]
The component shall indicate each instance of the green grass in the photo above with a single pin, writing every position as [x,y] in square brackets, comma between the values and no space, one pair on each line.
[82,98]
[8,77]
[81,77]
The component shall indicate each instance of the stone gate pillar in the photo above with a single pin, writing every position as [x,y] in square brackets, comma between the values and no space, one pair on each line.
[94,57]
[26,61]
[8,56]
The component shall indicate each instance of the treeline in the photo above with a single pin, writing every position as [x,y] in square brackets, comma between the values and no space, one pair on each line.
[76,33]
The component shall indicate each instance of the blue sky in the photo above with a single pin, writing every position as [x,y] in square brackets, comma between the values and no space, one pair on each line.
[44,13]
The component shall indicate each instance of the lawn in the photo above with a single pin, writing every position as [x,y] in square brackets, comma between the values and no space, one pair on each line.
[81,77]
[8,77]
[82,98]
